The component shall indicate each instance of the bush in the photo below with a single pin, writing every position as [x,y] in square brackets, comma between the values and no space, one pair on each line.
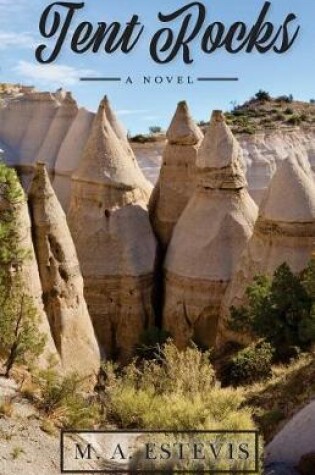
[250,365]
[62,399]
[280,310]
[263,96]
[294,120]
[151,342]
[143,139]
[284,98]
[155,129]
[178,390]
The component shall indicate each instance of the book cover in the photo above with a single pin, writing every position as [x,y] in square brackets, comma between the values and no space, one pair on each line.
[157,237]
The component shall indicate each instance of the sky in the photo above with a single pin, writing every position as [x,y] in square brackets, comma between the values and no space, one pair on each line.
[141,106]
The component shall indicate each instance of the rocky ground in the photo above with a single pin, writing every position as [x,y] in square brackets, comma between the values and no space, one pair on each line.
[24,446]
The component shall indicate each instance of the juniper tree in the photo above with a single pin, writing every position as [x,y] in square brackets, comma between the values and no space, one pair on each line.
[20,339]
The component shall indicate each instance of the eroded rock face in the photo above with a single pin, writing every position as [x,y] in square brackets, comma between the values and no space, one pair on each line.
[62,281]
[208,239]
[30,274]
[117,248]
[176,183]
[70,153]
[284,232]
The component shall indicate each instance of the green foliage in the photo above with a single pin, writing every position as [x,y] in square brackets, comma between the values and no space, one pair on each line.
[178,390]
[151,342]
[20,340]
[280,310]
[263,96]
[250,365]
[62,399]
[142,139]
[155,129]
[294,120]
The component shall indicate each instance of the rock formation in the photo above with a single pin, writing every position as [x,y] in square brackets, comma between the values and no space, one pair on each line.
[30,275]
[177,176]
[121,134]
[295,440]
[58,129]
[208,239]
[70,154]
[284,232]
[117,248]
[61,279]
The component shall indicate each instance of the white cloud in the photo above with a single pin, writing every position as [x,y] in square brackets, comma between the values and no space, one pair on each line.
[132,111]
[18,40]
[52,74]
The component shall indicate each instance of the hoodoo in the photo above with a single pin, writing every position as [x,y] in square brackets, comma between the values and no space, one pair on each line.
[58,129]
[70,154]
[29,270]
[117,248]
[176,183]
[61,279]
[284,232]
[208,239]
[121,134]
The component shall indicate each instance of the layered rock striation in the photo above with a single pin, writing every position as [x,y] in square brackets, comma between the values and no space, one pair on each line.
[61,280]
[284,232]
[176,182]
[110,225]
[208,239]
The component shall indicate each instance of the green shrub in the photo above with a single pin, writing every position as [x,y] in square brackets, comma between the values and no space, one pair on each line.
[263,96]
[178,390]
[63,400]
[289,111]
[250,365]
[151,342]
[280,310]
[294,120]
[143,139]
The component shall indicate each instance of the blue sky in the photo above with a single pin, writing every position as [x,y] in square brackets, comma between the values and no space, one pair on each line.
[140,106]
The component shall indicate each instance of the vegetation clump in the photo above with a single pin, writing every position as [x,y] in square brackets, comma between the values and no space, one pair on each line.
[20,339]
[280,310]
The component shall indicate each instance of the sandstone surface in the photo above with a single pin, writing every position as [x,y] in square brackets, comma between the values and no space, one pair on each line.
[61,280]
[117,248]
[208,239]
[176,182]
[284,232]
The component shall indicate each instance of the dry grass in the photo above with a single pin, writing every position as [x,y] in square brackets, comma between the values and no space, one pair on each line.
[6,407]
[276,400]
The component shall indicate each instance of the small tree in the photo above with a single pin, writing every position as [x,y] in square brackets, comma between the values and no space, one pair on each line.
[155,129]
[263,96]
[280,310]
[20,339]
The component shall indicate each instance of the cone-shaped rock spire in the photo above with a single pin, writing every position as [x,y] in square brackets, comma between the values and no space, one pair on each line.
[176,183]
[61,279]
[220,157]
[183,130]
[208,239]
[117,248]
[284,232]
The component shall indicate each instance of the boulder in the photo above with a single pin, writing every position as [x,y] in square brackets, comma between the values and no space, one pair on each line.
[61,279]
[117,248]
[208,239]
[176,183]
[295,440]
[284,232]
